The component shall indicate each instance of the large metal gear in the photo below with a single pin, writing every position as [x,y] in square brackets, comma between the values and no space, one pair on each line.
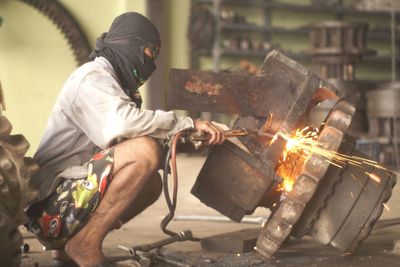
[316,205]
[15,191]
[63,19]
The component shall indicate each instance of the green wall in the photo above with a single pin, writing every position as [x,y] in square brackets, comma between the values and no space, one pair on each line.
[36,59]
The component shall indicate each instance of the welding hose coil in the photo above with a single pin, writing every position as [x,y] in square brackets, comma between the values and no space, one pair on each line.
[170,157]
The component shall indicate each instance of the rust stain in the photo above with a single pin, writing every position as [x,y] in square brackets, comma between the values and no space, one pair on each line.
[195,85]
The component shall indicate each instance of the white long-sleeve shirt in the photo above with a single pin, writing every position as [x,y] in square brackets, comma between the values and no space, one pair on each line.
[91,111]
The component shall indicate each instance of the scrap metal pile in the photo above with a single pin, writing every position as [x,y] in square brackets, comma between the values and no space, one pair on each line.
[314,181]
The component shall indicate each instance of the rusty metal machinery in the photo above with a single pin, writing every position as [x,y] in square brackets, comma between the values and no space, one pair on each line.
[376,5]
[336,47]
[327,202]
[69,27]
[336,206]
[15,191]
[383,118]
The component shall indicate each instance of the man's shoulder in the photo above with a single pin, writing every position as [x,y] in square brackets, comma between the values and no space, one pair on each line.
[94,72]
[92,77]
[95,68]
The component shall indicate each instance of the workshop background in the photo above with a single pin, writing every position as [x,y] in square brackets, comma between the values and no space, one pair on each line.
[354,44]
[36,57]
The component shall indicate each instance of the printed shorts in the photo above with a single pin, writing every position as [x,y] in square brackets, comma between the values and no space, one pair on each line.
[70,207]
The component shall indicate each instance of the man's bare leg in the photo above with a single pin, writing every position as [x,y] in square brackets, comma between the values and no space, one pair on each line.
[150,193]
[135,162]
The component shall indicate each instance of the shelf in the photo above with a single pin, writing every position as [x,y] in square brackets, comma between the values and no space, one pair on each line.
[334,10]
[230,26]
[236,30]
[241,27]
[242,3]
[383,33]
[302,56]
[236,52]
[345,10]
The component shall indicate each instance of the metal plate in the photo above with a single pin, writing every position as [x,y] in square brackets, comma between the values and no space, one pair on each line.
[285,89]
[232,181]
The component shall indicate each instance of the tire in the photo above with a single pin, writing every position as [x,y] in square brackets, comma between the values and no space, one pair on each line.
[15,191]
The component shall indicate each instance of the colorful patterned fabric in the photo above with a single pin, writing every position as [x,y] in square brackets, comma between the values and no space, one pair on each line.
[70,207]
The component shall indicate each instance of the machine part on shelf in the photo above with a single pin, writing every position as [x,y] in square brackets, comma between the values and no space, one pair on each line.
[383,116]
[377,5]
[372,148]
[328,3]
[15,191]
[230,43]
[383,101]
[393,53]
[69,27]
[201,28]
[231,16]
[245,43]
[337,46]
[355,93]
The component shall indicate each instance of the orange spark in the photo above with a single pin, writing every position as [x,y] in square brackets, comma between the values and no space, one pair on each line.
[386,206]
[374,177]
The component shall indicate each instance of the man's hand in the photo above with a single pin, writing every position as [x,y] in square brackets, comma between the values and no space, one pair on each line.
[216,133]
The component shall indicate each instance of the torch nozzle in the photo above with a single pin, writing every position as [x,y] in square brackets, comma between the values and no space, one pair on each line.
[198,137]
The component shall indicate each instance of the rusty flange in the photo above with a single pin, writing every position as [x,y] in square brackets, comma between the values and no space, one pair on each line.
[281,223]
[352,205]
[233,181]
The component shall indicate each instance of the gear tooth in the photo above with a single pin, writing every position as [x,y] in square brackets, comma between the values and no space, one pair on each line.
[5,127]
[5,164]
[19,143]
[30,166]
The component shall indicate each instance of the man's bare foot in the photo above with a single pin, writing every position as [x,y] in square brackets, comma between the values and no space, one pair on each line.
[83,252]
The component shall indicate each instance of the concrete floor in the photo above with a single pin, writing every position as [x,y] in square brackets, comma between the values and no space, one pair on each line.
[376,250]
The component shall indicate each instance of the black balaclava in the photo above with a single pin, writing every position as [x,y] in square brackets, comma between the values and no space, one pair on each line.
[123,47]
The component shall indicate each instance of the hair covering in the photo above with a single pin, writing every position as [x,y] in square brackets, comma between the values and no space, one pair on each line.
[123,47]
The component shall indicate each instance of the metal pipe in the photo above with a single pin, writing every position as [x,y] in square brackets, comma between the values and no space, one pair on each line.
[216,218]
[395,142]
[393,40]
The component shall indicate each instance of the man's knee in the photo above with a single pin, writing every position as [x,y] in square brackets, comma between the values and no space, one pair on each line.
[144,151]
